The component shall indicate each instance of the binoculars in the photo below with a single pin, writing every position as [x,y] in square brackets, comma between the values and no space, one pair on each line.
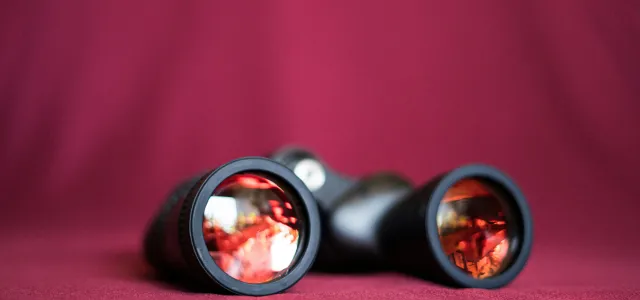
[256,225]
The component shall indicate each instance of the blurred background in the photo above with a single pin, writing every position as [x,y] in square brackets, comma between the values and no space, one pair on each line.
[106,105]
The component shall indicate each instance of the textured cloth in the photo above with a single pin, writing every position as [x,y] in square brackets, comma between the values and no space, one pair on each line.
[83,265]
[105,105]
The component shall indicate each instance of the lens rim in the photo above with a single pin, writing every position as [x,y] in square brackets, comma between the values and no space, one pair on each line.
[519,207]
[311,237]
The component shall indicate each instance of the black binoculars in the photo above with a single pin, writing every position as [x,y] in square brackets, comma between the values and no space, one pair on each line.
[255,226]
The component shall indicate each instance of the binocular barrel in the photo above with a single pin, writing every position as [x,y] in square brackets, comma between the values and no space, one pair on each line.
[249,227]
[469,227]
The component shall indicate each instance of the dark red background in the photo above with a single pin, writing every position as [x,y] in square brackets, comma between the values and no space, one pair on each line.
[105,105]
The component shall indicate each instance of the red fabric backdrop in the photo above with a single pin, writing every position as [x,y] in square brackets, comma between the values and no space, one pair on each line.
[105,105]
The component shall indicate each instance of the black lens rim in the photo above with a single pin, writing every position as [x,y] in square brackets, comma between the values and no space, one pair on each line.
[519,206]
[310,242]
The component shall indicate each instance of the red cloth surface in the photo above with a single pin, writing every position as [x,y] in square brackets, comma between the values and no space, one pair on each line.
[106,105]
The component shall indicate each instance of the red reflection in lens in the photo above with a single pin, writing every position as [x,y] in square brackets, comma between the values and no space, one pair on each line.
[472,229]
[247,231]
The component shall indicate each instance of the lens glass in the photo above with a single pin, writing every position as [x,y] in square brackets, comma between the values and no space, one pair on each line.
[252,227]
[472,224]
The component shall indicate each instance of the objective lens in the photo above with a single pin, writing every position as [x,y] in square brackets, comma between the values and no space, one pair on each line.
[472,227]
[469,227]
[256,219]
[251,228]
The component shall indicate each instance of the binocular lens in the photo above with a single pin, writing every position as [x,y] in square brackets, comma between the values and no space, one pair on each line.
[252,227]
[472,226]
[249,227]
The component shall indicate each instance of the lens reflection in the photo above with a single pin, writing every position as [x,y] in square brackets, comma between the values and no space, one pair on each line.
[251,228]
[473,229]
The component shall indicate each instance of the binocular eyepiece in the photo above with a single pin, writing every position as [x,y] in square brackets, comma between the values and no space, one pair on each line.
[254,226]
